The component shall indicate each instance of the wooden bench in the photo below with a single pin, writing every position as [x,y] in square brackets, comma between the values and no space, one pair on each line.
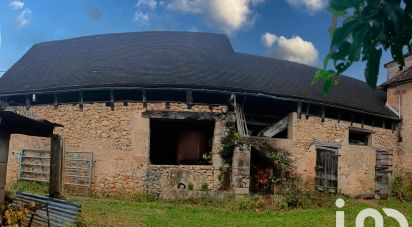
[48,211]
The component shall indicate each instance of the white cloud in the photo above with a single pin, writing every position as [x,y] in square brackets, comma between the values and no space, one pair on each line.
[22,18]
[269,39]
[186,6]
[141,18]
[228,15]
[309,5]
[16,4]
[147,3]
[294,49]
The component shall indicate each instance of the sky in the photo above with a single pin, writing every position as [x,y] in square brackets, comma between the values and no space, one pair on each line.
[295,30]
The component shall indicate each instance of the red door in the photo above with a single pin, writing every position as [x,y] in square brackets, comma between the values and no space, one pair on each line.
[191,146]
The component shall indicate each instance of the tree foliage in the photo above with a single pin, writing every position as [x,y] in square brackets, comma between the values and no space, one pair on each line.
[361,30]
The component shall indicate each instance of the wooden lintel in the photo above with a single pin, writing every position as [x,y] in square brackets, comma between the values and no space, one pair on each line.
[179,115]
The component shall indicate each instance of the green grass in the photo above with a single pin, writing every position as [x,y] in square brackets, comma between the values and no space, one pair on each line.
[113,212]
[144,210]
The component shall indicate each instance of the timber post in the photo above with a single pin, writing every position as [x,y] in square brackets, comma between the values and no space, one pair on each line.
[56,166]
[4,153]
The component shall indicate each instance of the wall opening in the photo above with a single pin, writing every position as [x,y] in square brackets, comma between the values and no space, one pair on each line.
[181,142]
[357,137]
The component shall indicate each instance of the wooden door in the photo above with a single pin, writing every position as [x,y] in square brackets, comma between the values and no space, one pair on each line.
[326,170]
[382,172]
[191,146]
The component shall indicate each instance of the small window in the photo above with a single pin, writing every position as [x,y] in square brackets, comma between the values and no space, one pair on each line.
[359,137]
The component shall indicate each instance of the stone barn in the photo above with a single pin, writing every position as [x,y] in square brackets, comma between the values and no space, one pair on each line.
[153,109]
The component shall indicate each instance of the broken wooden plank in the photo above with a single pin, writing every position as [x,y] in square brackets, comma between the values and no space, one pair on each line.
[274,129]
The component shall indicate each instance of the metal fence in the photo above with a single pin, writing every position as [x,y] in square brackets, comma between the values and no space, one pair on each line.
[78,167]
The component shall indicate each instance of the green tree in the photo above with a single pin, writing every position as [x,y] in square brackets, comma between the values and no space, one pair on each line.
[361,30]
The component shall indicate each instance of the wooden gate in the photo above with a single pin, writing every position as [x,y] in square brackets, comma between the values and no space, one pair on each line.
[326,170]
[382,171]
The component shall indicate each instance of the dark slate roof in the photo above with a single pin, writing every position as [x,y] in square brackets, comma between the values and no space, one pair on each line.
[403,77]
[175,59]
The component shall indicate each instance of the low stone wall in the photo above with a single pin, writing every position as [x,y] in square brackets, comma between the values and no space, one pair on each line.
[166,177]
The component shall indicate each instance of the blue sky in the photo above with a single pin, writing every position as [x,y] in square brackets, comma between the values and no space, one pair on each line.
[288,29]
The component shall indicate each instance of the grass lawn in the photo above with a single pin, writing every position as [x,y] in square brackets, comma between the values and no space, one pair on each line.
[112,212]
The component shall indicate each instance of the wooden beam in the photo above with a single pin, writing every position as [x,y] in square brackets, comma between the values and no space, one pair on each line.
[351,119]
[189,99]
[323,113]
[179,115]
[363,120]
[307,111]
[4,153]
[112,100]
[339,117]
[81,100]
[28,102]
[144,98]
[275,128]
[56,167]
[299,110]
[55,101]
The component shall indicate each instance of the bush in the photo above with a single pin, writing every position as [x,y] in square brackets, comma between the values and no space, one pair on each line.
[144,197]
[190,186]
[402,187]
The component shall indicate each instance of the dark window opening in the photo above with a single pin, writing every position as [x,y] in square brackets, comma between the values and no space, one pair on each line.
[181,142]
[359,137]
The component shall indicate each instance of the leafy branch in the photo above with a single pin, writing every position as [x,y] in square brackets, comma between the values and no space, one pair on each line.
[361,30]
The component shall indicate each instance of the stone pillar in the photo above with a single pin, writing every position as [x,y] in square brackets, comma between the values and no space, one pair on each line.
[4,154]
[56,166]
[241,170]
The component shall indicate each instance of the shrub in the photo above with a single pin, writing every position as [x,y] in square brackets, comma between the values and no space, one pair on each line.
[144,197]
[402,187]
[190,186]
[204,187]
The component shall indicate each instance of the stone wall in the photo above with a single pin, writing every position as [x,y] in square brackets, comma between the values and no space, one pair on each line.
[119,140]
[162,178]
[405,161]
[356,163]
